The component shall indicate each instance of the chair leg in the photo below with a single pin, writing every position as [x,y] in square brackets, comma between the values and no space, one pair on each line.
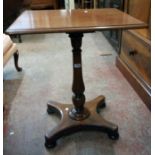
[19,38]
[16,55]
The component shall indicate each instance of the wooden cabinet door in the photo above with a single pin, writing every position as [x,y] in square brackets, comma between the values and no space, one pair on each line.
[139,9]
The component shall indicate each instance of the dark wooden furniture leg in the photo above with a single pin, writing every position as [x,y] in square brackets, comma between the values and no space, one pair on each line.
[78,117]
[16,56]
[19,38]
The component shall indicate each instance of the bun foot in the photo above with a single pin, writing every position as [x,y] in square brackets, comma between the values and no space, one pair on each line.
[113,135]
[50,145]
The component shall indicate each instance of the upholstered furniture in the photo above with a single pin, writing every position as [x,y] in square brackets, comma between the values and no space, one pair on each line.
[9,50]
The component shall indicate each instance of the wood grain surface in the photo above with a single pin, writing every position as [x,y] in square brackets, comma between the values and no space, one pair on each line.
[45,21]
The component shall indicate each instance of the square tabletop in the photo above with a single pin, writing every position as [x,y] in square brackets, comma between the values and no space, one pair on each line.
[83,20]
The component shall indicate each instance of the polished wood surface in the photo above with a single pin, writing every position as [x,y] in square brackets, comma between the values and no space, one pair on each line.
[139,9]
[68,126]
[44,21]
[139,85]
[143,34]
[136,53]
[83,115]
[135,56]
[75,23]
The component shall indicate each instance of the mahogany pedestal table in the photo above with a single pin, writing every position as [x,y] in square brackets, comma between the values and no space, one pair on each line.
[81,115]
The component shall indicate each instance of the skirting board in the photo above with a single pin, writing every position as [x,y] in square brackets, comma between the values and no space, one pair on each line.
[142,89]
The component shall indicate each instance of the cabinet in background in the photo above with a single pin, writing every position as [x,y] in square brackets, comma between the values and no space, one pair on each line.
[114,36]
[134,60]
[44,4]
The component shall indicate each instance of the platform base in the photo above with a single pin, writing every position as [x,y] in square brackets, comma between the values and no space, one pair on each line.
[69,125]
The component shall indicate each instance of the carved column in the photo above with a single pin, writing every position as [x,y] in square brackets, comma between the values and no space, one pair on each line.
[78,88]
